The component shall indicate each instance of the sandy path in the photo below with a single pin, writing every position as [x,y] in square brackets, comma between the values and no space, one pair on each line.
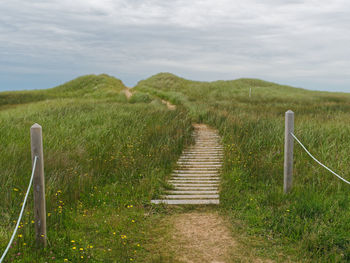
[127,93]
[202,237]
[169,105]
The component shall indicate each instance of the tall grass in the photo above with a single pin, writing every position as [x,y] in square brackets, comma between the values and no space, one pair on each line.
[89,86]
[104,160]
[315,217]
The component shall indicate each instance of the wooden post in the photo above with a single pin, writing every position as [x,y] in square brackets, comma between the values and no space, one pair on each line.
[288,151]
[250,92]
[38,184]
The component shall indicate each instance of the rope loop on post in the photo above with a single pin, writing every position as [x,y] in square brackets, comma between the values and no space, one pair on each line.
[22,210]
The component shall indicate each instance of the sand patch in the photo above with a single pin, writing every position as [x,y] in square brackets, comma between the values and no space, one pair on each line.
[127,93]
[169,105]
[202,237]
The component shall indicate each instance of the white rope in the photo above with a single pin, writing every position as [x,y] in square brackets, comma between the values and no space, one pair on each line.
[20,215]
[341,178]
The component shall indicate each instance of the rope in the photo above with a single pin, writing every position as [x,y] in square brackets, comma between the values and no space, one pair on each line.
[341,178]
[20,215]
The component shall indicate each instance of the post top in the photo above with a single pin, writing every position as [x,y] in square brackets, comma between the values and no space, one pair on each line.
[36,126]
[289,111]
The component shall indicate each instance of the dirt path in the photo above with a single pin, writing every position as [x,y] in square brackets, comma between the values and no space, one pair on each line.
[169,105]
[127,93]
[201,235]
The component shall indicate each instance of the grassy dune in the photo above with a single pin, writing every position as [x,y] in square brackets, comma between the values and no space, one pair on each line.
[312,222]
[105,158]
[90,86]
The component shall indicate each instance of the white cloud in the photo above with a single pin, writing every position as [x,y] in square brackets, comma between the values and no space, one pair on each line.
[293,41]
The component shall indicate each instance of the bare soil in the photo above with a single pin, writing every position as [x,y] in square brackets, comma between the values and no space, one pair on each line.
[169,105]
[127,93]
[203,237]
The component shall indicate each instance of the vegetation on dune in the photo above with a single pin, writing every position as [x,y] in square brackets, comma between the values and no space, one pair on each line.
[92,86]
[313,220]
[104,159]
[107,156]
[89,86]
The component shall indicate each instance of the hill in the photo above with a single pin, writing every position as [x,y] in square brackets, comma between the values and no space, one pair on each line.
[93,86]
[105,157]
[312,221]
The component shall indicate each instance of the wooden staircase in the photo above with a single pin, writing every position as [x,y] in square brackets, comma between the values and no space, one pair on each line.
[197,177]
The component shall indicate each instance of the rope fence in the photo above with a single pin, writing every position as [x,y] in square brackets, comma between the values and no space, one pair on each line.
[22,210]
[38,181]
[317,161]
[288,153]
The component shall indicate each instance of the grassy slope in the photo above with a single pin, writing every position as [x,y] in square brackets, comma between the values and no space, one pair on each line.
[312,223]
[104,160]
[89,86]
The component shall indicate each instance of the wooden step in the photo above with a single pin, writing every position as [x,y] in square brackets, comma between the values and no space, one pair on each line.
[200,152]
[187,202]
[204,196]
[202,160]
[195,177]
[195,185]
[194,174]
[191,188]
[202,165]
[191,192]
[194,181]
[209,172]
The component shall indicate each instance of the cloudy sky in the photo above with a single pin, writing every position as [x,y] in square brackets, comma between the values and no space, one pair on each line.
[304,43]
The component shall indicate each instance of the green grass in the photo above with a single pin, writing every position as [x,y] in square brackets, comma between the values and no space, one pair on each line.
[89,86]
[105,158]
[312,222]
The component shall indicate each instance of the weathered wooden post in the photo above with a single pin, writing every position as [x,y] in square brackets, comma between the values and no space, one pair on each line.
[288,151]
[250,92]
[38,184]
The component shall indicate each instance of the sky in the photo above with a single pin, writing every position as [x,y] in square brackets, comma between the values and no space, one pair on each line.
[302,43]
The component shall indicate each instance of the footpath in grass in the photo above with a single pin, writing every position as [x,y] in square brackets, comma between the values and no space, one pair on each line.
[105,158]
[196,233]
[184,234]
[311,223]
